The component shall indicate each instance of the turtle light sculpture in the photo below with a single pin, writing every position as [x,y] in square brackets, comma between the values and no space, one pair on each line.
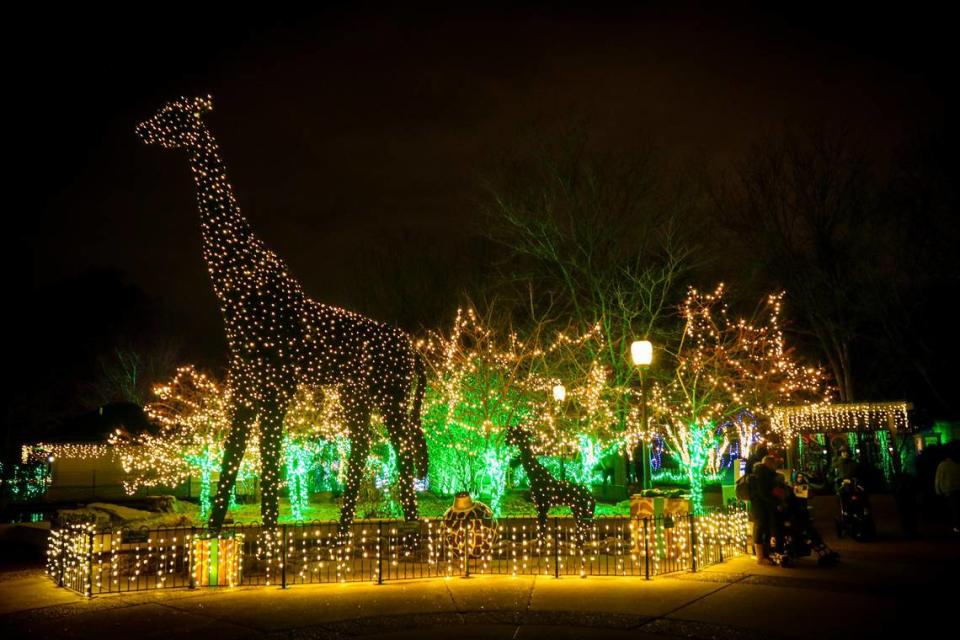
[469,527]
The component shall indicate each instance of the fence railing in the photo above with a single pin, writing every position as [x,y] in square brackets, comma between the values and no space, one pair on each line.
[92,561]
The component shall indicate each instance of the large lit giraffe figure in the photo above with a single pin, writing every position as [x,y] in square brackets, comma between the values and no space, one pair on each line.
[280,339]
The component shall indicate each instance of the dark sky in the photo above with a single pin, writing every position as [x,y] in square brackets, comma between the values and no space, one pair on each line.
[342,129]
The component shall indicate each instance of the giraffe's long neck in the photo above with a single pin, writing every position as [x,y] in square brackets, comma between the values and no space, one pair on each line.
[229,247]
[531,465]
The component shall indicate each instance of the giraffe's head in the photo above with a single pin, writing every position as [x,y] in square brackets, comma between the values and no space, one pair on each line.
[178,124]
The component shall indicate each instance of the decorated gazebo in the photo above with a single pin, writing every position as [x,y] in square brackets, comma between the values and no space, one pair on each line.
[871,431]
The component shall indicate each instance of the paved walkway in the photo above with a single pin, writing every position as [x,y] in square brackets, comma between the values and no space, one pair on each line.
[880,588]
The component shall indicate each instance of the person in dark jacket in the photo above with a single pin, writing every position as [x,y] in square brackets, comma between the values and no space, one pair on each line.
[763,507]
[844,467]
[756,456]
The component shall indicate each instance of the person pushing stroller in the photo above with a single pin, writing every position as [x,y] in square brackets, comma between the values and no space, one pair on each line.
[783,530]
[799,538]
[764,505]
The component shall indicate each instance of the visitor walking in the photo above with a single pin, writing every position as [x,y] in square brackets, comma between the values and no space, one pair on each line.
[763,507]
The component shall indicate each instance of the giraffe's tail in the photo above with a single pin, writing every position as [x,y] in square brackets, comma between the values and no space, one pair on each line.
[421,456]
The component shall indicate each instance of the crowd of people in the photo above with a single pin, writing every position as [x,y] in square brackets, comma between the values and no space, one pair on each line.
[782,527]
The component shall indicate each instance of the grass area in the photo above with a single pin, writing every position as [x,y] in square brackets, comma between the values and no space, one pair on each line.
[431,506]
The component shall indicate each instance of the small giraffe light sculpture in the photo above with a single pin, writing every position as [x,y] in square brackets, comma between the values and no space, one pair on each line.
[280,339]
[546,491]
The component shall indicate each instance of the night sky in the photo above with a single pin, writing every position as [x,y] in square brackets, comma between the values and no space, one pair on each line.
[351,131]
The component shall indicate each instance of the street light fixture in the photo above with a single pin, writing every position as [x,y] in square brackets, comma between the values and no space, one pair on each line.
[559,393]
[641,352]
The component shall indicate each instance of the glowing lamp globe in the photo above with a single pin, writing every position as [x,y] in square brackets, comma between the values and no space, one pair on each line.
[559,393]
[641,351]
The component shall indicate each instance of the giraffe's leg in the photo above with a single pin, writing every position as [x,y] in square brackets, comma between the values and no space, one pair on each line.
[271,437]
[408,497]
[358,421]
[243,418]
[579,520]
[542,510]
[400,435]
[584,515]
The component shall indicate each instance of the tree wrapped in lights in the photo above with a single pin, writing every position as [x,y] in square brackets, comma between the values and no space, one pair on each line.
[280,339]
[725,366]
[315,436]
[473,396]
[484,382]
[602,236]
[192,415]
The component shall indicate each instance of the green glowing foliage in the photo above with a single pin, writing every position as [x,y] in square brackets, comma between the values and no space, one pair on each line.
[465,456]
[330,471]
[853,444]
[702,440]
[24,482]
[299,460]
[483,382]
[378,495]
[205,461]
[682,478]
[886,455]
[473,396]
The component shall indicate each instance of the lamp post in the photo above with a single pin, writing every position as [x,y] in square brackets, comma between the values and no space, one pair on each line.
[559,395]
[641,352]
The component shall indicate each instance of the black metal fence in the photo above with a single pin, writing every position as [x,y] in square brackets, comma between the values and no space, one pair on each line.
[93,561]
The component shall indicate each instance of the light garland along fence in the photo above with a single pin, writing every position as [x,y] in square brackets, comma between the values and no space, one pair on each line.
[90,561]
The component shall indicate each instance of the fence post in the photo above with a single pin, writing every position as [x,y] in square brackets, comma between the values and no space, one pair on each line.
[190,558]
[380,552]
[646,548]
[62,560]
[556,549]
[693,544]
[88,589]
[466,554]
[283,557]
[720,546]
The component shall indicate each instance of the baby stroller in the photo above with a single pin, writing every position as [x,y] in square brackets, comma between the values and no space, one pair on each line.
[798,537]
[855,517]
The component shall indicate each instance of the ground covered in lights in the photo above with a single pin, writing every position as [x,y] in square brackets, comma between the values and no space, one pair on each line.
[143,512]
[431,506]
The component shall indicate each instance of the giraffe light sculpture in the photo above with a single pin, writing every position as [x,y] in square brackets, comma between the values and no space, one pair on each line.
[280,339]
[546,491]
